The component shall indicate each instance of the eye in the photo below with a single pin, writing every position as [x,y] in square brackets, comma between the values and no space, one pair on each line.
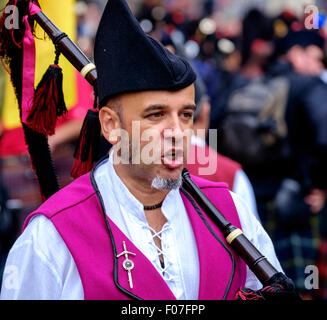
[155,116]
[187,115]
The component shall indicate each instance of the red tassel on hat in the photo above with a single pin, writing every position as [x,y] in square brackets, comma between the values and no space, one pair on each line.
[87,150]
[49,103]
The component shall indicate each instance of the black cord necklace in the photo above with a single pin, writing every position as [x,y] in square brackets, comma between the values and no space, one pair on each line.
[156,206]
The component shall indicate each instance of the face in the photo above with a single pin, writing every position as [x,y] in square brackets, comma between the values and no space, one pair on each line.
[315,57]
[306,60]
[158,127]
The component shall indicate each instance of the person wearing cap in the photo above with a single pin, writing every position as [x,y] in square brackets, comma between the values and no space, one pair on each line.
[127,230]
[299,177]
[210,164]
[306,120]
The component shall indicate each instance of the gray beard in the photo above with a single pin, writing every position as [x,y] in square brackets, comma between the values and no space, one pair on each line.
[166,184]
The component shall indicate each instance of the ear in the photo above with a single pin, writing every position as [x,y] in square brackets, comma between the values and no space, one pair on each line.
[110,124]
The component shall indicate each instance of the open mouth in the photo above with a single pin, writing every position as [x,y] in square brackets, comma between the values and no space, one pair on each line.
[173,159]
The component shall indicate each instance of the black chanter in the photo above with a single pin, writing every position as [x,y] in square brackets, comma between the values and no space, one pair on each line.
[256,261]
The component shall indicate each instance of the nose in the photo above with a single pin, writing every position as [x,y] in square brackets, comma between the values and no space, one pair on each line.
[173,132]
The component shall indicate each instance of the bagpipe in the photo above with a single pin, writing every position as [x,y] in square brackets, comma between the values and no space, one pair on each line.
[16,46]
[41,107]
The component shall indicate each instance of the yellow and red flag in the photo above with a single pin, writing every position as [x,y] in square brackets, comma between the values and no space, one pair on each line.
[12,140]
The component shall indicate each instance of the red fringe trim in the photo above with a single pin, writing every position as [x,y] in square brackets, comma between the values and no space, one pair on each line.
[80,168]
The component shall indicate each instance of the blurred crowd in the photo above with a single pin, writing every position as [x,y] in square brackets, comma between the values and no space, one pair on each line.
[265,78]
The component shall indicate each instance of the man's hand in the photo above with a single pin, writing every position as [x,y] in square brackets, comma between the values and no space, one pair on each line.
[280,288]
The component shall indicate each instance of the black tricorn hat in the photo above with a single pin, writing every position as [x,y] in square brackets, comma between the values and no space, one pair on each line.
[128,60]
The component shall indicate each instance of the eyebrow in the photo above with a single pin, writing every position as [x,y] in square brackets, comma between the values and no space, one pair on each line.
[190,106]
[163,107]
[155,108]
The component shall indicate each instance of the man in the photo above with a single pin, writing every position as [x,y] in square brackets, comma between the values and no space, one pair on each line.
[213,166]
[289,185]
[205,162]
[299,60]
[127,230]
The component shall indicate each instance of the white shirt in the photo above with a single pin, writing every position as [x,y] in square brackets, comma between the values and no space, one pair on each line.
[243,188]
[40,266]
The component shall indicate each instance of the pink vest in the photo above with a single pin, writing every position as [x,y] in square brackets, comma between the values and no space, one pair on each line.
[77,214]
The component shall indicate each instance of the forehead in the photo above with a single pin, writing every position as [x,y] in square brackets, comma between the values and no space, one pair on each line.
[139,101]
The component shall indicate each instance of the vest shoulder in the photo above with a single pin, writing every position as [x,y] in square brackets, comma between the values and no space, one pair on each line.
[228,163]
[207,184]
[71,195]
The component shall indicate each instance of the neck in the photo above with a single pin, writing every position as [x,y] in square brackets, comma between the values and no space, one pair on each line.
[142,191]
